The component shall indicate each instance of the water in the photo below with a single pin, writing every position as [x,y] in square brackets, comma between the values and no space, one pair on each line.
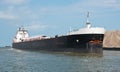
[12,60]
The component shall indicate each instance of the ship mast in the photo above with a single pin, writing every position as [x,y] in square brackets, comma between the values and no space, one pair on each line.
[88,22]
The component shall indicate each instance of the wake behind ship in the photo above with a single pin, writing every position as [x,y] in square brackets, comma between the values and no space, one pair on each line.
[85,40]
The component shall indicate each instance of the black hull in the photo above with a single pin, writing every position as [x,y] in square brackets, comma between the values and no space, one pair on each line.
[71,43]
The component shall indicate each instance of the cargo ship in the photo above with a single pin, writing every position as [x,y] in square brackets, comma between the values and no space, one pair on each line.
[84,40]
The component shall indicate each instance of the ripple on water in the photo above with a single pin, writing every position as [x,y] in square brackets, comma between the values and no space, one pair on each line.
[12,60]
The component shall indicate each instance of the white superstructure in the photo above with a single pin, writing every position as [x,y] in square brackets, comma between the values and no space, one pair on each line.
[94,30]
[88,29]
[21,35]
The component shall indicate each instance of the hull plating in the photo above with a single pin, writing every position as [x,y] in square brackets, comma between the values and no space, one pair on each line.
[71,43]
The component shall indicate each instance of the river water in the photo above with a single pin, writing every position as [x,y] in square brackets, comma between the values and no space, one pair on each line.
[12,60]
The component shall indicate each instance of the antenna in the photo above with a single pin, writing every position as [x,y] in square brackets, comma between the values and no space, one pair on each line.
[88,15]
[87,22]
[22,28]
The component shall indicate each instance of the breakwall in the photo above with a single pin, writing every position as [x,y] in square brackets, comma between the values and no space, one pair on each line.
[112,39]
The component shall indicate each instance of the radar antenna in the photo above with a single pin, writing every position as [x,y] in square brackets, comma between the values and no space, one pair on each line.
[88,22]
